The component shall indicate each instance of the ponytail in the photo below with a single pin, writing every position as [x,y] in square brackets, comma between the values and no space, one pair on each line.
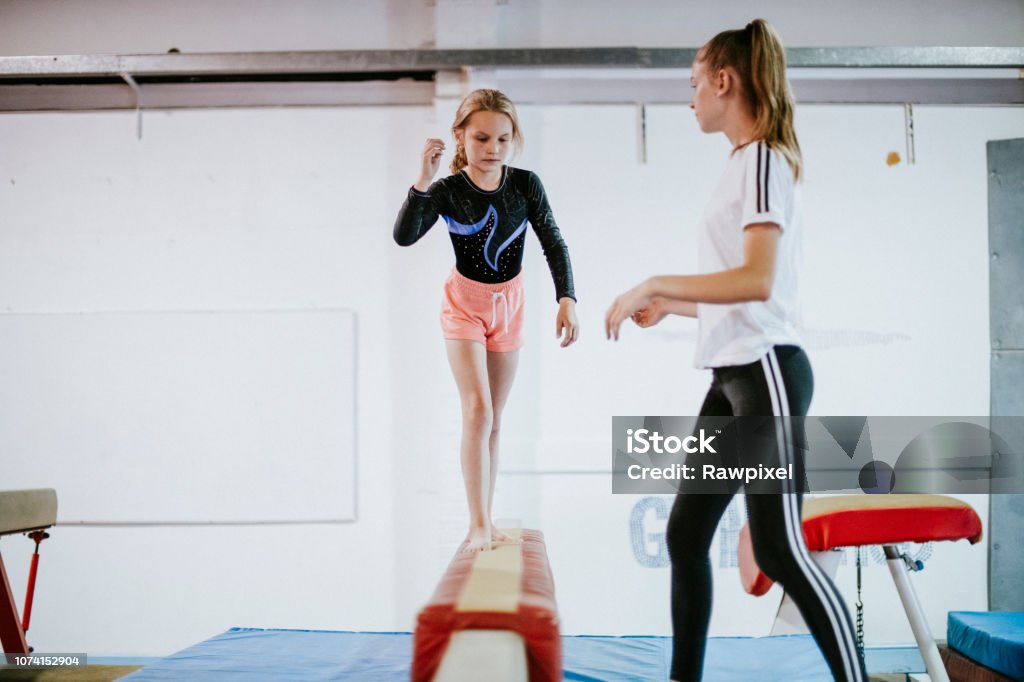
[459,161]
[757,56]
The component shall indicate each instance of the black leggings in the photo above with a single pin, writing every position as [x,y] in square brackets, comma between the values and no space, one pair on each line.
[781,384]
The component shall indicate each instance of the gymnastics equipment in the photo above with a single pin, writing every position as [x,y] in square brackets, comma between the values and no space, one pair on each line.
[862,520]
[984,646]
[492,617]
[30,512]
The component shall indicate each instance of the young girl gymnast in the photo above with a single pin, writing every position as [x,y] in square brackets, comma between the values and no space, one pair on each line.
[745,301]
[486,205]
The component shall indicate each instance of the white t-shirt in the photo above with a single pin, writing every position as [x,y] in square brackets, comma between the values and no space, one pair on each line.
[757,186]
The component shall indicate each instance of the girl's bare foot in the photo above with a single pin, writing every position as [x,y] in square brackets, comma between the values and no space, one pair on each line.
[501,537]
[477,540]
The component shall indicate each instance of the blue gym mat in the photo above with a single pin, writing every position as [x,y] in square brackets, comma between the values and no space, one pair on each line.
[263,655]
[996,640]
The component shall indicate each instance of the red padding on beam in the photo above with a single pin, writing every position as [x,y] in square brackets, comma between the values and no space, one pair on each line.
[536,618]
[826,529]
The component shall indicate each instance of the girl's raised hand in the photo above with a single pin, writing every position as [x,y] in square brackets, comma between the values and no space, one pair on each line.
[430,162]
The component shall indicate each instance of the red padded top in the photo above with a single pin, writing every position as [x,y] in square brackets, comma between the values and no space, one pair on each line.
[857,520]
[507,588]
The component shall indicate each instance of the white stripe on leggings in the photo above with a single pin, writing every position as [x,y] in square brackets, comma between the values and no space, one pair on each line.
[794,530]
[844,637]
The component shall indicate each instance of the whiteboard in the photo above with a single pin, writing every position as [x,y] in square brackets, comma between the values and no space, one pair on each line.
[182,417]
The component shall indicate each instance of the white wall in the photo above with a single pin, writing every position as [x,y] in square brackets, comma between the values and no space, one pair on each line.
[42,27]
[298,218]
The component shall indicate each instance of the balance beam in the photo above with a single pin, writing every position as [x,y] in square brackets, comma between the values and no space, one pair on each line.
[21,511]
[492,616]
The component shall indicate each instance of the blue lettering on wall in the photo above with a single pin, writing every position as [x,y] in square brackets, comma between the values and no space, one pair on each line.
[649,547]
[647,532]
[729,534]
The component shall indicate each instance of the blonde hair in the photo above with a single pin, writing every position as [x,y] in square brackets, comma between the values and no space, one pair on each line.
[484,99]
[757,56]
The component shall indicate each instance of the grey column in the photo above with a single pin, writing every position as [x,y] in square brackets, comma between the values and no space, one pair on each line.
[1006,306]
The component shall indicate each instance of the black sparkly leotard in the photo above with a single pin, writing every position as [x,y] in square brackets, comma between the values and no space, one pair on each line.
[488,229]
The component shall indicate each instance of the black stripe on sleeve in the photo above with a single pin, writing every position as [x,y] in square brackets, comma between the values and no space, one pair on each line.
[767,162]
[758,177]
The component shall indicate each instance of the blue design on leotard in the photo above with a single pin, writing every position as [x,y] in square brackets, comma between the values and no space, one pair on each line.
[504,245]
[459,228]
[473,215]
[490,220]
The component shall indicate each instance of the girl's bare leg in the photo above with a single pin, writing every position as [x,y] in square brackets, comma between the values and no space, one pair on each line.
[501,372]
[468,360]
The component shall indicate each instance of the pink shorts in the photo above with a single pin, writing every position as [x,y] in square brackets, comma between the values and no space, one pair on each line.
[491,314]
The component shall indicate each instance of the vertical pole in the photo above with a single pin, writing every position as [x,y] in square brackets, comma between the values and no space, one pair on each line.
[908,124]
[12,639]
[641,112]
[925,641]
[30,591]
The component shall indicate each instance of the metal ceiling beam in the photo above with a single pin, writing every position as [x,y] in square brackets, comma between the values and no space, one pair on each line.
[524,90]
[368,61]
[938,91]
[906,57]
[112,96]
[386,77]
